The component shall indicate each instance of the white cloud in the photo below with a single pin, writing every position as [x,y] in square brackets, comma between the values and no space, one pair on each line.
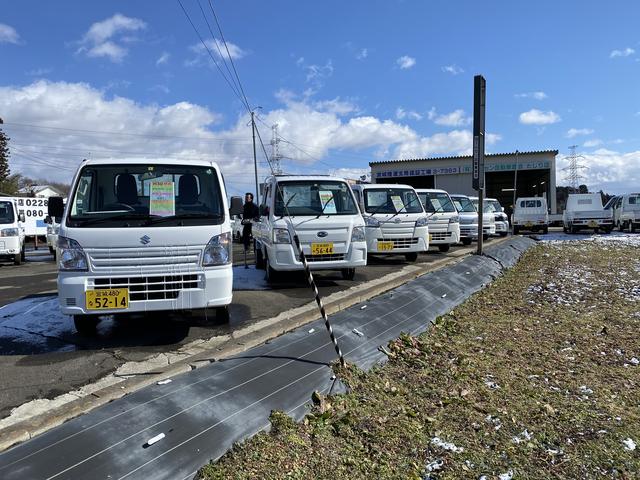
[401,114]
[217,49]
[535,95]
[103,39]
[622,53]
[8,34]
[613,172]
[452,69]
[362,54]
[457,118]
[186,130]
[574,132]
[592,143]
[163,58]
[405,62]
[38,72]
[538,117]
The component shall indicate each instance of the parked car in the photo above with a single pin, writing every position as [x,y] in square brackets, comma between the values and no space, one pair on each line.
[626,211]
[468,216]
[395,221]
[444,221]
[141,236]
[488,217]
[501,219]
[585,211]
[12,236]
[322,212]
[532,214]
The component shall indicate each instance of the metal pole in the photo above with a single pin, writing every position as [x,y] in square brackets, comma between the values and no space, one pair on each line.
[515,187]
[255,160]
[480,219]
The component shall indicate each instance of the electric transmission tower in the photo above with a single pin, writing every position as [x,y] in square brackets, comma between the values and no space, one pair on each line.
[573,175]
[275,152]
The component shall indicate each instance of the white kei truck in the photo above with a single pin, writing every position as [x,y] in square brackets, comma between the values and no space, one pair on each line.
[501,219]
[585,211]
[444,220]
[530,213]
[468,218]
[321,212]
[488,218]
[144,236]
[395,221]
[12,234]
[626,211]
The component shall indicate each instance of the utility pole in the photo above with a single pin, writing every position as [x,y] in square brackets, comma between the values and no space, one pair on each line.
[573,175]
[275,152]
[255,159]
[479,100]
[515,186]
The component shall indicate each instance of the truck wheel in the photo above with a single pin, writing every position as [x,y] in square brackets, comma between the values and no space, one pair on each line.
[23,252]
[271,275]
[259,259]
[620,227]
[348,273]
[632,226]
[444,247]
[516,230]
[485,237]
[17,259]
[503,234]
[466,241]
[545,230]
[86,324]
[608,230]
[573,229]
[222,314]
[411,257]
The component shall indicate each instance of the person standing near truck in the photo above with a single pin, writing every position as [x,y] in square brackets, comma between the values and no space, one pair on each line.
[250,212]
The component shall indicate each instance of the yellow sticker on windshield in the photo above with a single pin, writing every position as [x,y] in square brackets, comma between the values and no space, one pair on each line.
[398,204]
[162,201]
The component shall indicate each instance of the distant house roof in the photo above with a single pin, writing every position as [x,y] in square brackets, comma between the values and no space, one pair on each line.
[35,189]
[463,157]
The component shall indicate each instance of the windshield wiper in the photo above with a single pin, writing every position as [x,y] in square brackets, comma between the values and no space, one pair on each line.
[183,216]
[92,221]
[325,206]
[286,206]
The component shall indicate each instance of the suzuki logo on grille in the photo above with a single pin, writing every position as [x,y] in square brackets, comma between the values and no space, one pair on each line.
[145,240]
[322,234]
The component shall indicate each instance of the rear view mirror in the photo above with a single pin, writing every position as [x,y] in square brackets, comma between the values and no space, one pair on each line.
[55,207]
[48,219]
[264,211]
[21,217]
[236,206]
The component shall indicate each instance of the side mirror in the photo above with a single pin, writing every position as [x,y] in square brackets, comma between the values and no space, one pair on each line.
[21,217]
[55,207]
[235,208]
[264,211]
[502,208]
[48,219]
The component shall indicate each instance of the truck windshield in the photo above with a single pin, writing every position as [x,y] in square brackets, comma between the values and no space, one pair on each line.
[496,205]
[6,212]
[463,204]
[391,200]
[436,202]
[123,195]
[487,206]
[314,197]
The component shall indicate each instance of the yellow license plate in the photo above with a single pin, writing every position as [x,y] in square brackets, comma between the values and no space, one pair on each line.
[107,299]
[529,224]
[430,237]
[593,224]
[322,248]
[385,246]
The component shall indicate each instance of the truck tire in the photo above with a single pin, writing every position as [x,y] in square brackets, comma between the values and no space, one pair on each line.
[348,273]
[545,230]
[271,275]
[466,241]
[444,247]
[222,314]
[504,234]
[485,236]
[573,229]
[632,226]
[516,230]
[86,324]
[411,257]
[259,259]
[23,252]
[620,227]
[17,259]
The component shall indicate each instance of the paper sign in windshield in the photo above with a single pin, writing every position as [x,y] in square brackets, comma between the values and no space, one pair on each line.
[398,204]
[162,201]
[327,201]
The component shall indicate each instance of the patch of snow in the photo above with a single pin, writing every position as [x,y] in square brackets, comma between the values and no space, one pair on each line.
[438,442]
[506,476]
[629,444]
[434,466]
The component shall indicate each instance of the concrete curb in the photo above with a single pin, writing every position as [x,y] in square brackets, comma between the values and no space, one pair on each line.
[199,353]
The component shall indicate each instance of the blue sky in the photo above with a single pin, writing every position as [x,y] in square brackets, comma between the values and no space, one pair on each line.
[347,82]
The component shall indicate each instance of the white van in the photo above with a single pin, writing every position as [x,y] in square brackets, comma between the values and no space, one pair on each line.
[585,210]
[626,211]
[488,217]
[530,213]
[322,212]
[501,219]
[12,243]
[394,218]
[444,221]
[141,236]
[468,218]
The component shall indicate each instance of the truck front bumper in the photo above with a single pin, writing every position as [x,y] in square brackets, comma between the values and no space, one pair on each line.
[283,258]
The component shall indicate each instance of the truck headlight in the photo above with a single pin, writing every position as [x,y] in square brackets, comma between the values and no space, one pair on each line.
[422,222]
[72,256]
[281,235]
[357,234]
[217,251]
[9,232]
[454,219]
[371,222]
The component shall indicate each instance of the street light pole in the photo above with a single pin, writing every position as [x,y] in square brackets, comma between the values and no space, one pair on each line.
[255,159]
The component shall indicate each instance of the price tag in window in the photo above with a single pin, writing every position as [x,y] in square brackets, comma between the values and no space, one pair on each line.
[162,201]
[398,204]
